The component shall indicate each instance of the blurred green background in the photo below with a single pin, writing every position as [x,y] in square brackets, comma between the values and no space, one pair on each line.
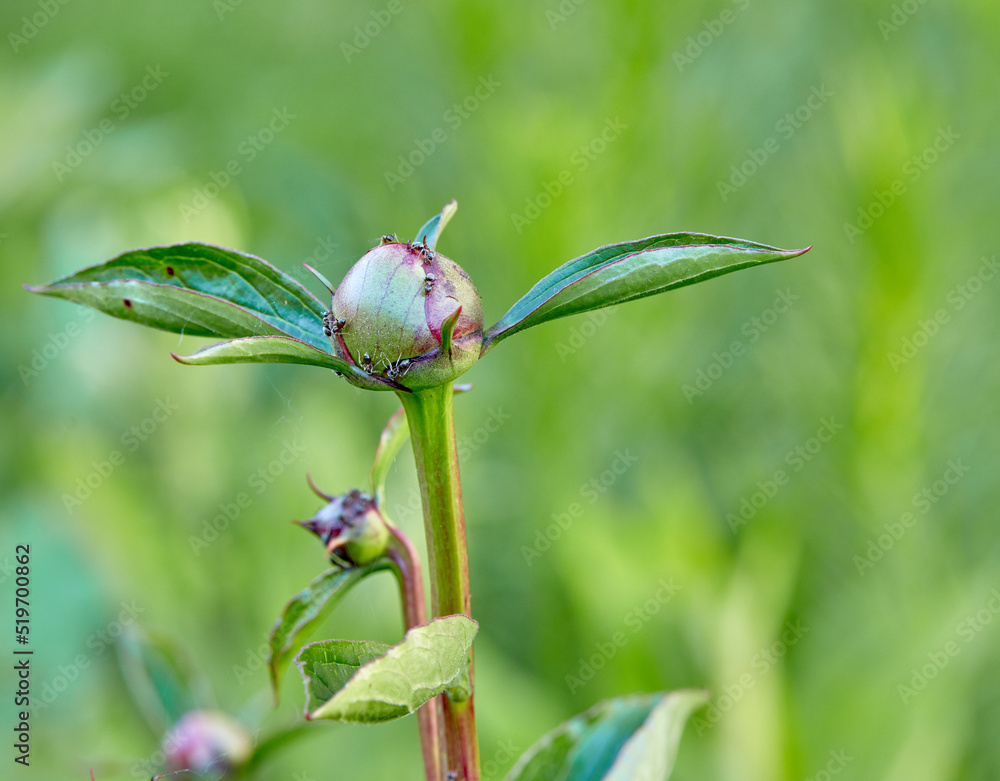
[803,600]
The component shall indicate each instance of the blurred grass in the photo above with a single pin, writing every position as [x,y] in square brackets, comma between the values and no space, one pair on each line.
[322,183]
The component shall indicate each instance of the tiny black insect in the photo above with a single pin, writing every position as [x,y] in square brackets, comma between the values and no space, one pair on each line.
[333,325]
[397,368]
[426,253]
[389,238]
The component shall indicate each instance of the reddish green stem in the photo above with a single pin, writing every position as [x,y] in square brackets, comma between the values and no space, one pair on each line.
[432,433]
[411,588]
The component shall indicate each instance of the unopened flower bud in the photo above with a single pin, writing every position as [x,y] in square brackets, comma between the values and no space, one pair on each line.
[207,742]
[351,527]
[392,313]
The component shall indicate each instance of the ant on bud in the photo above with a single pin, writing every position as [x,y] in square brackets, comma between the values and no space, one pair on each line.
[333,325]
[422,248]
[397,368]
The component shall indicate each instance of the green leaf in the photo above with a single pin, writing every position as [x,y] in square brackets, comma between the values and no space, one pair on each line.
[394,435]
[200,290]
[162,678]
[632,738]
[429,233]
[308,608]
[623,272]
[650,753]
[265,349]
[330,664]
[360,682]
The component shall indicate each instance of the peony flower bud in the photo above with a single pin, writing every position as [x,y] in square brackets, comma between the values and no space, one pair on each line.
[394,316]
[206,742]
[351,527]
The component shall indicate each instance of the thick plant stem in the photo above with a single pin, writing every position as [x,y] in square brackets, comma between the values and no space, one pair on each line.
[411,589]
[432,433]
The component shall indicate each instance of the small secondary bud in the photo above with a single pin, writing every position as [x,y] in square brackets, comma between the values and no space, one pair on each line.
[206,742]
[391,313]
[351,527]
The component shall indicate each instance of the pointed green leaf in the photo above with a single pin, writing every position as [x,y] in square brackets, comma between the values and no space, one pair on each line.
[429,233]
[265,349]
[448,330]
[200,290]
[632,738]
[305,610]
[634,269]
[393,437]
[346,682]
